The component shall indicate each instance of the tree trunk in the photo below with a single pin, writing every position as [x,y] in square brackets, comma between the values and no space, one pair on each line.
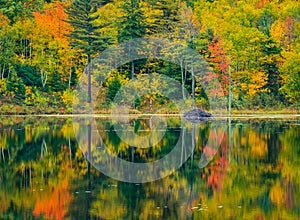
[2,74]
[185,72]
[8,72]
[89,79]
[70,75]
[44,77]
[3,157]
[182,79]
[193,86]
[30,49]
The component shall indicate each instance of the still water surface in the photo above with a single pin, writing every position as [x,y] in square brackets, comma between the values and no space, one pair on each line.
[254,173]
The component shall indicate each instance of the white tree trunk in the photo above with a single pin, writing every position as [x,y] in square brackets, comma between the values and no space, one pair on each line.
[44,77]
[2,74]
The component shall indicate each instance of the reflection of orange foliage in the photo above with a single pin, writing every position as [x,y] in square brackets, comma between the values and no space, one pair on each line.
[217,171]
[54,207]
[209,151]
[216,137]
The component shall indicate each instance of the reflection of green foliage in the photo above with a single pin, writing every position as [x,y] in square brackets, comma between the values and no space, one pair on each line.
[271,177]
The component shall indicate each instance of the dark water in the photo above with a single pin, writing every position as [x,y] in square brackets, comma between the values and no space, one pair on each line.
[253,173]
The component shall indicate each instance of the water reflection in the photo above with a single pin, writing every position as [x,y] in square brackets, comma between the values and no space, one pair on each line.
[116,148]
[44,172]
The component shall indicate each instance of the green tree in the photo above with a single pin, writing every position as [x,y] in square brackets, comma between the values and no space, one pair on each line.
[86,35]
[131,25]
[290,74]
[166,17]
[270,61]
[16,87]
[20,9]
[7,46]
[113,88]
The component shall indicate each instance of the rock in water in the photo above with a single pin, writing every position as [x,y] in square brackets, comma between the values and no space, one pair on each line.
[197,116]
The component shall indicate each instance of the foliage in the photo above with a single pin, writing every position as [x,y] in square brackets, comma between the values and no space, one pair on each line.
[86,35]
[15,87]
[34,97]
[47,45]
[69,98]
[291,75]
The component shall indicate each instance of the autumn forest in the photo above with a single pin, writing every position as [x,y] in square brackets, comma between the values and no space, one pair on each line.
[252,46]
[66,64]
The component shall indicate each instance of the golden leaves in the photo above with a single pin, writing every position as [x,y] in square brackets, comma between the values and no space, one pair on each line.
[256,80]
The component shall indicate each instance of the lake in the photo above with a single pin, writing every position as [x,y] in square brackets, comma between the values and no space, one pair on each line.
[238,168]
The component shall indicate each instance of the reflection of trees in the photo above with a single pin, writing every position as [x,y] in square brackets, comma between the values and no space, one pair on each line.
[160,147]
[33,175]
[261,180]
[255,167]
[253,185]
[53,203]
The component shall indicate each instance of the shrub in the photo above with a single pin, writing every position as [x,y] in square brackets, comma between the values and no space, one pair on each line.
[69,98]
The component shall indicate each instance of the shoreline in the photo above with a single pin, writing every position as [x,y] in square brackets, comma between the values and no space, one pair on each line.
[216,116]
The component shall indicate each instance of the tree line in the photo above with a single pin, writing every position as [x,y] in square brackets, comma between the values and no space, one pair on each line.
[251,46]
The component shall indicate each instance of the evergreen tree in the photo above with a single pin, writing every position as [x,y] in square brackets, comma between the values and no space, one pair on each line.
[167,18]
[16,87]
[86,34]
[270,63]
[113,88]
[29,75]
[131,25]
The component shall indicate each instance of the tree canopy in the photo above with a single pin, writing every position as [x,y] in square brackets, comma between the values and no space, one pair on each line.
[46,47]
